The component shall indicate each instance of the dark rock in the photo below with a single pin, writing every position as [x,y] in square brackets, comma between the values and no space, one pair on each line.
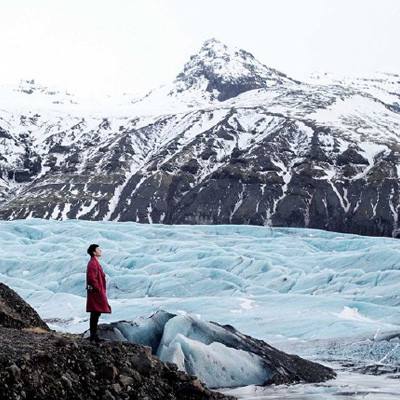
[109,372]
[14,371]
[142,364]
[39,364]
[58,148]
[15,312]
[86,372]
[351,156]
[126,380]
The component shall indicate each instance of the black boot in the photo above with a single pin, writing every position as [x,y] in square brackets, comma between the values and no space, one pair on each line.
[94,319]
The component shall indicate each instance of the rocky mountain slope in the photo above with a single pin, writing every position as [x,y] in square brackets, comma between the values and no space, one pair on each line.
[229,141]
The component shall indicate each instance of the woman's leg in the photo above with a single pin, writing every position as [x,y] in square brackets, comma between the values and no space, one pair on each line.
[94,319]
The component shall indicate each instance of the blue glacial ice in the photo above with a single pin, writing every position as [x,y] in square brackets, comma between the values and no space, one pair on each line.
[188,342]
[298,283]
[287,286]
[348,385]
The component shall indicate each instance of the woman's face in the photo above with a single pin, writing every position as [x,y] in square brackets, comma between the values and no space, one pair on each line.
[97,252]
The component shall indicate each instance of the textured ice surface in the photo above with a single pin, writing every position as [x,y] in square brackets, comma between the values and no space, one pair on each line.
[189,342]
[347,385]
[290,287]
[299,283]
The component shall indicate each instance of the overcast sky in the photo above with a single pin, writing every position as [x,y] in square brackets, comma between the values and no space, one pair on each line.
[132,45]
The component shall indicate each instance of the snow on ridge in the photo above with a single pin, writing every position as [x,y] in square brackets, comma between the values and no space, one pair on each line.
[189,92]
[227,62]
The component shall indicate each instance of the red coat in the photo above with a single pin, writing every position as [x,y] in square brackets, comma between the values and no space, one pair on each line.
[96,297]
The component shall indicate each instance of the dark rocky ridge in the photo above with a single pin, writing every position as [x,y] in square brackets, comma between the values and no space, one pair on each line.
[36,363]
[15,312]
[64,366]
[201,67]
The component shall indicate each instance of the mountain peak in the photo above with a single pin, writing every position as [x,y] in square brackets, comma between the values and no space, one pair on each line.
[226,71]
[214,45]
[31,86]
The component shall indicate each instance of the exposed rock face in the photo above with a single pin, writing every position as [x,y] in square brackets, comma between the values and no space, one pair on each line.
[182,339]
[36,363]
[226,73]
[229,141]
[61,366]
[15,312]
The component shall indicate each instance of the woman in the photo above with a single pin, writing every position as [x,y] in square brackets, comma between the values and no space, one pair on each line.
[96,302]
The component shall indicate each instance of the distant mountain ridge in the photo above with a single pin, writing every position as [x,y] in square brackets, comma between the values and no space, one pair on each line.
[230,140]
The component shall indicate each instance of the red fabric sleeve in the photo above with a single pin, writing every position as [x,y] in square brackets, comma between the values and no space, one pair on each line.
[92,276]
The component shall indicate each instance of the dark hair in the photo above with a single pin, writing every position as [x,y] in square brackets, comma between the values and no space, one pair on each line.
[91,249]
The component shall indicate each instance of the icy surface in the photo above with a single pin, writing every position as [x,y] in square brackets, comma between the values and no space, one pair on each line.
[303,290]
[300,283]
[348,385]
[193,345]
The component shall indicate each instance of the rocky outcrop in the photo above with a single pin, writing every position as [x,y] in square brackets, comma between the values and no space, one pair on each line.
[15,312]
[63,366]
[37,363]
[208,69]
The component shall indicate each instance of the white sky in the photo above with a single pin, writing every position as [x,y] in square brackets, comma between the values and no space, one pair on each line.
[134,45]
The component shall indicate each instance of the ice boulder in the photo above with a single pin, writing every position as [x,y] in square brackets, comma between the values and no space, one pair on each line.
[219,355]
[215,363]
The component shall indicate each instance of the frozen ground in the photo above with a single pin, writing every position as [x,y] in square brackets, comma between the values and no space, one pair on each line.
[348,385]
[324,295]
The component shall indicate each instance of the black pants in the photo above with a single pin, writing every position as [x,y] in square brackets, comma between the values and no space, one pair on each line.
[94,319]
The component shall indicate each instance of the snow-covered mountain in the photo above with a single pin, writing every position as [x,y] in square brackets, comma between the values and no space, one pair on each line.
[230,140]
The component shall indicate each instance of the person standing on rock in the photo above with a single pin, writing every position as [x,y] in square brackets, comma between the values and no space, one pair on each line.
[96,302]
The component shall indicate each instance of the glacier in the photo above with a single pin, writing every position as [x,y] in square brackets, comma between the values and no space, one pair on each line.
[325,295]
[188,342]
